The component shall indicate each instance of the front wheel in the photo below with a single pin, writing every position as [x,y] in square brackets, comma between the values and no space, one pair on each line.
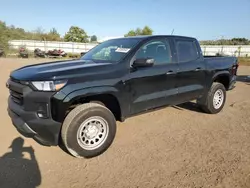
[88,130]
[214,100]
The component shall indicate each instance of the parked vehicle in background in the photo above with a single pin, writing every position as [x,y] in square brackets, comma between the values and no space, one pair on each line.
[23,53]
[56,53]
[78,102]
[62,53]
[39,53]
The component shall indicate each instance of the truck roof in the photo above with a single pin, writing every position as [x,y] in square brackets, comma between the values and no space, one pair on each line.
[155,36]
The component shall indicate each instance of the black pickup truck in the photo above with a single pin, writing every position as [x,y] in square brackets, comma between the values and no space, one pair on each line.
[78,102]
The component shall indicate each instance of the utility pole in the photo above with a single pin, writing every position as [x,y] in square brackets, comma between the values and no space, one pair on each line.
[172,32]
[222,38]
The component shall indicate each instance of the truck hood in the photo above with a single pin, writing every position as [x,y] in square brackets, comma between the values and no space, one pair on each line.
[57,70]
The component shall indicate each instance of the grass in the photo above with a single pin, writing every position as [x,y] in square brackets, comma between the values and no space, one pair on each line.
[244,61]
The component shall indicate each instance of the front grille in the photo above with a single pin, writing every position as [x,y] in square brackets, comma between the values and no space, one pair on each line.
[16,90]
[16,97]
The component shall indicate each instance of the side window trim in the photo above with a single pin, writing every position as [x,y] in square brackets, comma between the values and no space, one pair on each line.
[194,45]
[166,41]
[197,50]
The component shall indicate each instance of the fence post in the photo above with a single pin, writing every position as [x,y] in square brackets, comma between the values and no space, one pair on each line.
[239,49]
[221,49]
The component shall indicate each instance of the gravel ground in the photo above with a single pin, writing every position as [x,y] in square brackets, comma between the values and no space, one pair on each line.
[172,147]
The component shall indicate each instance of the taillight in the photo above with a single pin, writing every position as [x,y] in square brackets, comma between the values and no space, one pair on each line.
[234,69]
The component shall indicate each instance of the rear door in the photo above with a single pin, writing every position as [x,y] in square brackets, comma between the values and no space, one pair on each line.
[154,86]
[191,73]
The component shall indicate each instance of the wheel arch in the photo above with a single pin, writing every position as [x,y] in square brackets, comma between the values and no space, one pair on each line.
[108,96]
[223,78]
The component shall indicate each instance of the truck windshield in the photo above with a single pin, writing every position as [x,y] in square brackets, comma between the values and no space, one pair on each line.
[112,50]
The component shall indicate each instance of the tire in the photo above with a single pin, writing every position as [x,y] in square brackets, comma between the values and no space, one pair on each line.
[96,137]
[98,102]
[217,92]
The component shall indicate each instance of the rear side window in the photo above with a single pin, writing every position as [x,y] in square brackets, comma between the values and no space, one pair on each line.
[186,51]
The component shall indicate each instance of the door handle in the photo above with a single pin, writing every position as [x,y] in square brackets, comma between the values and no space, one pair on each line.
[170,72]
[198,69]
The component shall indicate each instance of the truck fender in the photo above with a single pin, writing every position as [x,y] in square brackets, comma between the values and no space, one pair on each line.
[91,91]
[95,91]
[202,100]
[224,78]
[219,74]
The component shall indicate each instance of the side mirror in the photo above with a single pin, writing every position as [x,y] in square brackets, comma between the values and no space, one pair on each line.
[143,62]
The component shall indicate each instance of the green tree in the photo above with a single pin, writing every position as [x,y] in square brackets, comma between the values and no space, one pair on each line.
[130,33]
[53,31]
[38,34]
[242,41]
[233,41]
[53,35]
[93,38]
[145,31]
[76,34]
[138,31]
[11,32]
[3,35]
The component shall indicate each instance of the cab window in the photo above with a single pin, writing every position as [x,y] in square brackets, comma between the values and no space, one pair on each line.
[159,50]
[186,50]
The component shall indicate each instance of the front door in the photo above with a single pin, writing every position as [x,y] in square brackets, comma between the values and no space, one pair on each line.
[154,86]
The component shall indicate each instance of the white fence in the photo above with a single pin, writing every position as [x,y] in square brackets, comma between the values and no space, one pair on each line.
[68,47]
[72,47]
[239,51]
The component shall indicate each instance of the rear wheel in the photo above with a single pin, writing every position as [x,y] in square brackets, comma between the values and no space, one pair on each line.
[214,100]
[88,130]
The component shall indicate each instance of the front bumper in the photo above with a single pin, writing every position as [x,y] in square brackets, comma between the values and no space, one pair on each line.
[44,131]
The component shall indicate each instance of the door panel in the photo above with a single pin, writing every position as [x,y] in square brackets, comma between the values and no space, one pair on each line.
[191,74]
[152,87]
[191,79]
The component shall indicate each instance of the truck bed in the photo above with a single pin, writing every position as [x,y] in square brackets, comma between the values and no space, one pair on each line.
[220,62]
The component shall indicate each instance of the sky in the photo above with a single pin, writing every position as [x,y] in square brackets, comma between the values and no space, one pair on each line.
[203,19]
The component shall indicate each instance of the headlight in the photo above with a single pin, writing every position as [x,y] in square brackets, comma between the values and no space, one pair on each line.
[49,85]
